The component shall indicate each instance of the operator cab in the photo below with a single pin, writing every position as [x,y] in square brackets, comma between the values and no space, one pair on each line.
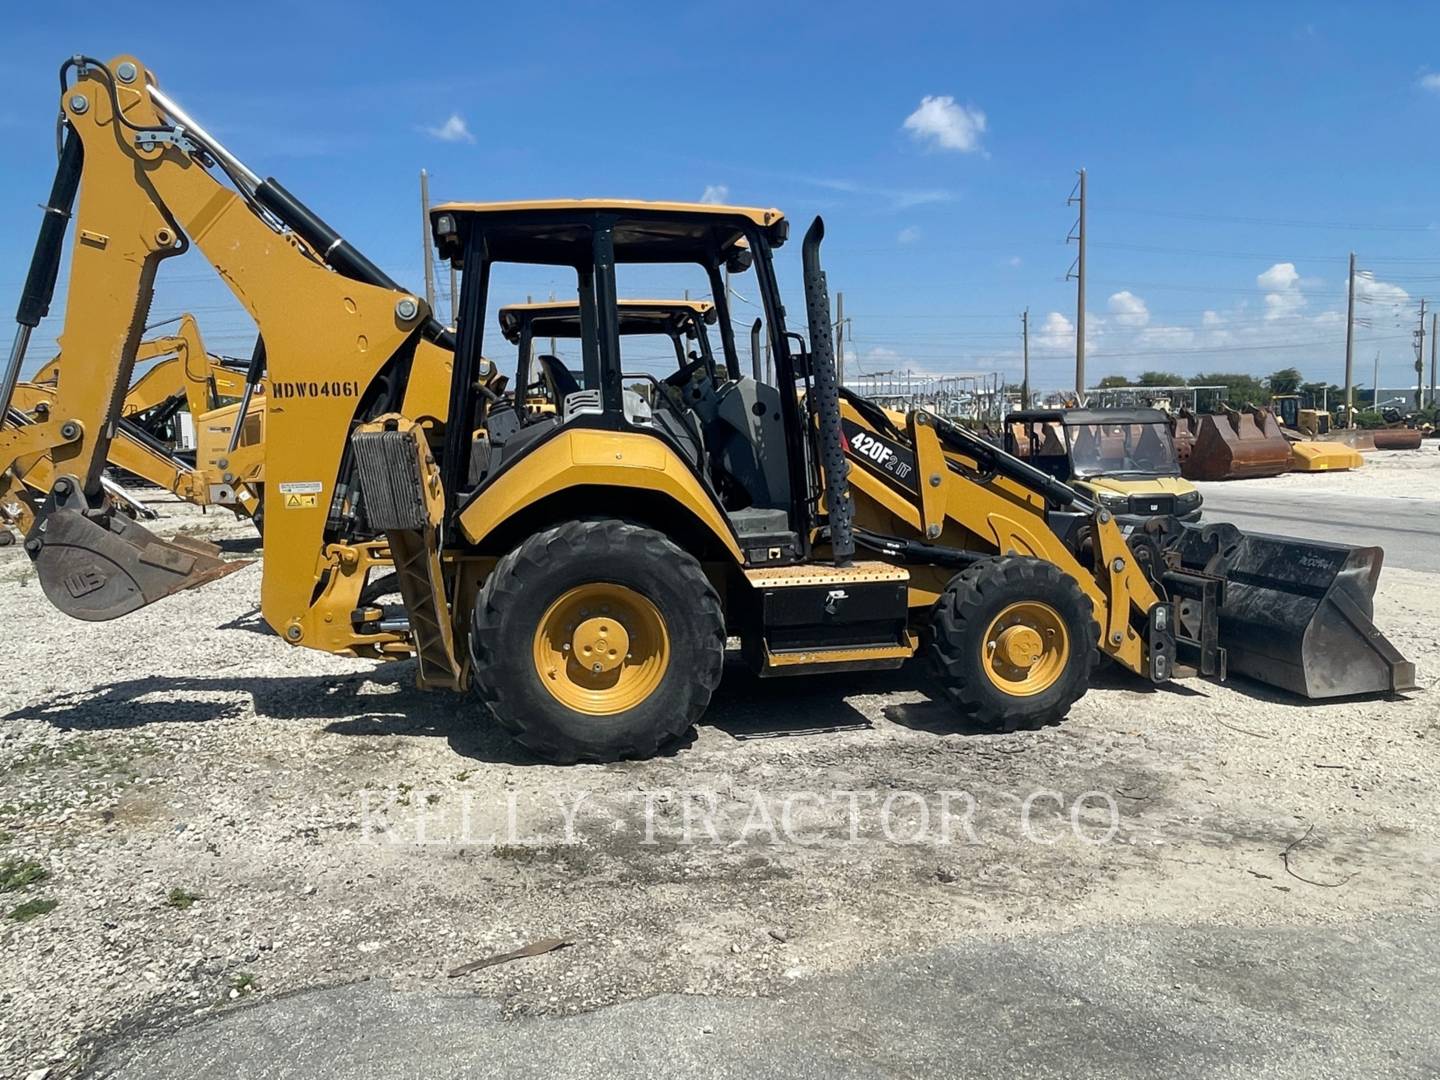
[716,421]
[743,440]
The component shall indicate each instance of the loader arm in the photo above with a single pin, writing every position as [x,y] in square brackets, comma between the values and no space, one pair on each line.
[148,190]
[941,496]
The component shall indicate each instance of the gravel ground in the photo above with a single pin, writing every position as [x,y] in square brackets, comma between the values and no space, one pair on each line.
[221,817]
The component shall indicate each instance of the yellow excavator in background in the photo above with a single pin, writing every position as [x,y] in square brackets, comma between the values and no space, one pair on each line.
[581,569]
[185,386]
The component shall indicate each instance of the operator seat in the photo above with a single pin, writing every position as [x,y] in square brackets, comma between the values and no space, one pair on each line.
[561,378]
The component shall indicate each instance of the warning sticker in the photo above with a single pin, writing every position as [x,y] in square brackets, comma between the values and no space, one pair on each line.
[299,502]
[301,487]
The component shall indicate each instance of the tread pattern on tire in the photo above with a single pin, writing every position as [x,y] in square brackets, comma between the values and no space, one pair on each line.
[954,630]
[591,540]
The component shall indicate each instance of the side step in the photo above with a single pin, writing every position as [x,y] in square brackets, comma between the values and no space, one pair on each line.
[402,497]
[817,617]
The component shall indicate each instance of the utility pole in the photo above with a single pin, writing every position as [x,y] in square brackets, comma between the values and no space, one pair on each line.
[1420,358]
[1025,377]
[1077,195]
[1375,396]
[840,338]
[553,347]
[1350,350]
[426,240]
[1432,361]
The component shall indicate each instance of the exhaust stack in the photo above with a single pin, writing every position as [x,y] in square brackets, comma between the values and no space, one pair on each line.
[827,400]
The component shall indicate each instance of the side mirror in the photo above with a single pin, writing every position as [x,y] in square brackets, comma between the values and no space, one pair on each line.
[740,260]
[799,355]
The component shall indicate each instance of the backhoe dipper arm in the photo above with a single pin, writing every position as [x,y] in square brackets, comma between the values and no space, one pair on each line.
[330,322]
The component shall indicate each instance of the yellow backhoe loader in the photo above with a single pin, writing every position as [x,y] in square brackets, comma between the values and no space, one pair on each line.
[581,569]
[186,384]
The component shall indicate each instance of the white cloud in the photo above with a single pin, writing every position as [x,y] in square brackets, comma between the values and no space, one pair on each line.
[1278,277]
[908,235]
[1282,285]
[716,193]
[1370,291]
[1057,332]
[1014,260]
[941,122]
[1430,82]
[1166,337]
[452,130]
[1129,309]
[1212,319]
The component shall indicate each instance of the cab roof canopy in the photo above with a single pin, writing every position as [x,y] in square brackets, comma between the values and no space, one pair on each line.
[557,231]
[1088,416]
[561,318]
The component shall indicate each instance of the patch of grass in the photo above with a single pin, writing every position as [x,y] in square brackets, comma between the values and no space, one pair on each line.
[464,774]
[432,798]
[180,899]
[244,981]
[16,873]
[33,909]
[6,837]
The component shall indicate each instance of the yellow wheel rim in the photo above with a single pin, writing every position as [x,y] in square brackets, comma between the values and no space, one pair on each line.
[1025,648]
[601,649]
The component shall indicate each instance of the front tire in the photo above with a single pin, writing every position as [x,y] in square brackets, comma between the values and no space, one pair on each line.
[596,641]
[1013,641]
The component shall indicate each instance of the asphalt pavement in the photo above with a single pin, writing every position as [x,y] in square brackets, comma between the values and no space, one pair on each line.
[1214,1002]
[1408,529]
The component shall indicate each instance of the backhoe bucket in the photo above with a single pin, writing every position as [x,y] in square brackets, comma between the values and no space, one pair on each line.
[1297,613]
[1235,446]
[99,564]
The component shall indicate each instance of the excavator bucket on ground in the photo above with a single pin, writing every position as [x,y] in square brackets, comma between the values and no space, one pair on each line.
[1235,446]
[1182,430]
[97,564]
[1297,613]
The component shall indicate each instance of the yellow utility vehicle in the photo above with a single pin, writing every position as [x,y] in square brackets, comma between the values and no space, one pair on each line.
[581,570]
[1122,459]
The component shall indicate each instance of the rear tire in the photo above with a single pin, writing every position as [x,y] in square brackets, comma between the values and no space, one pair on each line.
[1013,641]
[596,641]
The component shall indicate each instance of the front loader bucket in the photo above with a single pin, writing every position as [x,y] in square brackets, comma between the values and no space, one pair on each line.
[99,564]
[1235,446]
[1297,613]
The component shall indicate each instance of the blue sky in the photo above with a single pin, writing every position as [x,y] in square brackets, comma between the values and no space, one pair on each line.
[1236,154]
